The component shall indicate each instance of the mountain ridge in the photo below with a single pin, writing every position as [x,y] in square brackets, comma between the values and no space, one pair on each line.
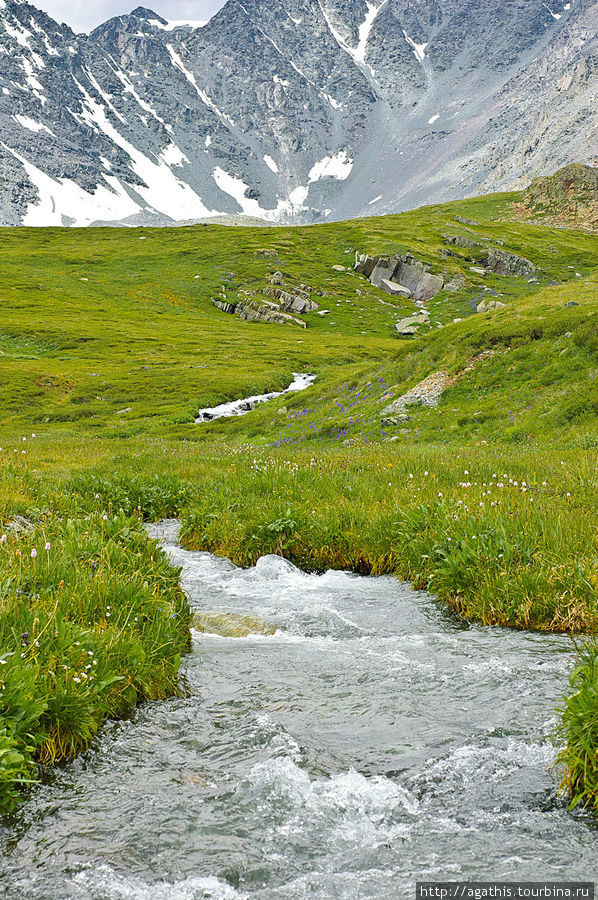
[296,112]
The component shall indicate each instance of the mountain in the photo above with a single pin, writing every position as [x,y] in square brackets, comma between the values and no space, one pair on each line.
[299,110]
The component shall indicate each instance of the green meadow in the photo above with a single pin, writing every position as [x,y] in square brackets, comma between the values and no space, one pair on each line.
[110,344]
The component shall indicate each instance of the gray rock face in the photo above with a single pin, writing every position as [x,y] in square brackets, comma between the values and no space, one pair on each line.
[503,263]
[297,111]
[394,289]
[422,284]
[400,275]
[383,271]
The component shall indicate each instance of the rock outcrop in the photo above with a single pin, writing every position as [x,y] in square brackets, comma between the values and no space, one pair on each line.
[252,310]
[569,197]
[282,309]
[400,275]
[298,301]
[410,326]
[489,306]
[427,393]
[503,263]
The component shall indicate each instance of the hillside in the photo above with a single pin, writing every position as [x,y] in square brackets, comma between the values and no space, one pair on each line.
[125,320]
[303,111]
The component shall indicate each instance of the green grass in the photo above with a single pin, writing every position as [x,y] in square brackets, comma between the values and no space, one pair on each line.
[579,732]
[109,344]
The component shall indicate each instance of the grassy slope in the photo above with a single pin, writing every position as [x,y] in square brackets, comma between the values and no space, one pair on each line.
[490,500]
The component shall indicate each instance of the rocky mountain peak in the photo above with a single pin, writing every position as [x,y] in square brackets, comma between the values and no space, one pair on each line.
[299,110]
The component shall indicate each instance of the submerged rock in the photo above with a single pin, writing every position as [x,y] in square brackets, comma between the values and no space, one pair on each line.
[230,625]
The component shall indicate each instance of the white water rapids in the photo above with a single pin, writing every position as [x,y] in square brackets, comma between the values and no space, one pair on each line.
[371,741]
[240,407]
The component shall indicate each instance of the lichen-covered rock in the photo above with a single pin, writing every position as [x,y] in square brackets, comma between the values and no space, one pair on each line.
[501,262]
[489,306]
[410,326]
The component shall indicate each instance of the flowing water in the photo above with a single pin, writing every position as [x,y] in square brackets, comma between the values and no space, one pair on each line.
[300,382]
[371,741]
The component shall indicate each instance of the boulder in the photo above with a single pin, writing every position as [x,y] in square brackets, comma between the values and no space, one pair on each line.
[478,271]
[383,270]
[364,264]
[489,306]
[427,393]
[410,326]
[456,284]
[406,272]
[400,419]
[393,288]
[412,274]
[459,241]
[406,328]
[339,268]
[503,263]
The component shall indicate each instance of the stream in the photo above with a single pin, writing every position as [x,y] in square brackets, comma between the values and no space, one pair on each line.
[371,741]
[300,382]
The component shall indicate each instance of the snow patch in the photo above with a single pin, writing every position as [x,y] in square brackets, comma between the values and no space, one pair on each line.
[164,192]
[20,34]
[375,200]
[63,200]
[433,119]
[32,81]
[173,156]
[235,187]
[107,98]
[178,23]
[31,124]
[334,103]
[271,164]
[298,196]
[338,166]
[365,29]
[129,89]
[418,49]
